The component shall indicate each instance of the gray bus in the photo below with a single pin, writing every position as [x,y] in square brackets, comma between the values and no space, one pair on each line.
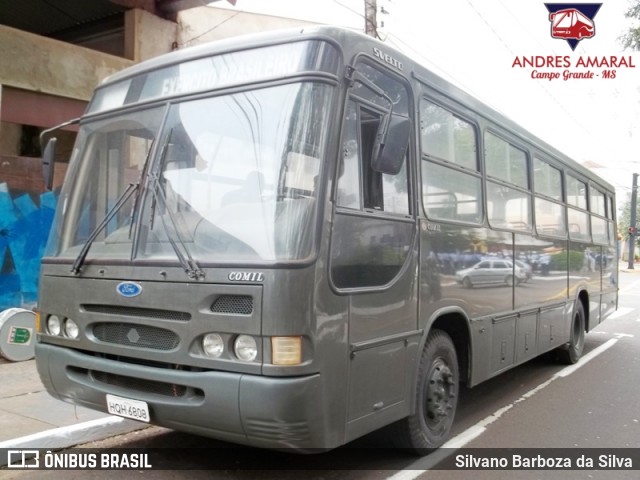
[293,239]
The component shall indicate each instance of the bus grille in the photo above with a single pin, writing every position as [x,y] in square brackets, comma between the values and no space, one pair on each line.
[139,384]
[234,304]
[120,311]
[136,335]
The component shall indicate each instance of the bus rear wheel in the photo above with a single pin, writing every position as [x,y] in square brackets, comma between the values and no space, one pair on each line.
[436,397]
[571,353]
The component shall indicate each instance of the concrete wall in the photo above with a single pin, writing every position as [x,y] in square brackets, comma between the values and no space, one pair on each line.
[206,24]
[147,36]
[40,64]
[36,63]
[9,139]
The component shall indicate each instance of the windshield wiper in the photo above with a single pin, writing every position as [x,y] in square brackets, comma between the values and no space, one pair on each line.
[134,207]
[133,187]
[75,269]
[190,266]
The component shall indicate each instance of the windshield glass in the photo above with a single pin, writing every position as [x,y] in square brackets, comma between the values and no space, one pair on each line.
[109,155]
[239,174]
[233,179]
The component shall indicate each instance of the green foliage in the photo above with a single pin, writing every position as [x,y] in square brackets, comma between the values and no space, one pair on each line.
[559,261]
[631,39]
[624,220]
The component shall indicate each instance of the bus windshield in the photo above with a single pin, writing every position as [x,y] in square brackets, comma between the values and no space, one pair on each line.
[237,176]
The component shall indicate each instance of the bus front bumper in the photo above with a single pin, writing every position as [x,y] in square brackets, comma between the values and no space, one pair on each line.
[269,412]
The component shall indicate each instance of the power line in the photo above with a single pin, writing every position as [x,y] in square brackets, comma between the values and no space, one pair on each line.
[210,30]
[367,20]
[544,89]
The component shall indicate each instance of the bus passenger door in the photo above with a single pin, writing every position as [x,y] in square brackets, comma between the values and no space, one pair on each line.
[374,259]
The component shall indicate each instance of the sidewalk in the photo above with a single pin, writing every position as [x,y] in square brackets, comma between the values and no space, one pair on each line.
[624,267]
[31,418]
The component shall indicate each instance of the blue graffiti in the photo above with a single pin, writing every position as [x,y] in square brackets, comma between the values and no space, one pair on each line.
[24,229]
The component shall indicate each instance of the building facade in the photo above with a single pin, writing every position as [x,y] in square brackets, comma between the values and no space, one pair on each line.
[49,65]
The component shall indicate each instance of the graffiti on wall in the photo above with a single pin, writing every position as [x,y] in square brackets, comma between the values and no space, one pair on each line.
[24,229]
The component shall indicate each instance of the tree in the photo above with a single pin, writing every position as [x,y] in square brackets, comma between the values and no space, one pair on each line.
[624,219]
[631,39]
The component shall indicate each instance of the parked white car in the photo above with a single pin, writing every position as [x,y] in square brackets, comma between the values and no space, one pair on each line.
[491,272]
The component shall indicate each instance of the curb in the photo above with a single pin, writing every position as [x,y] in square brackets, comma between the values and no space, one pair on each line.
[64,437]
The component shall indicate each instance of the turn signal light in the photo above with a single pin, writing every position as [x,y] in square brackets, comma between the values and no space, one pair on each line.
[286,350]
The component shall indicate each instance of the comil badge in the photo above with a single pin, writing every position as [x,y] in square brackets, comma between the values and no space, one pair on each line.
[572,22]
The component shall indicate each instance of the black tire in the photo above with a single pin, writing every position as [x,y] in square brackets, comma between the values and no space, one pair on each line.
[437,387]
[571,353]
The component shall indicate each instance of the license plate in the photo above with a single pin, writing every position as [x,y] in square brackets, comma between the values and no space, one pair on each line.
[128,408]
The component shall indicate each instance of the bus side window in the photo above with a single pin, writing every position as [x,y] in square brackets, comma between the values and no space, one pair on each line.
[359,185]
[348,194]
[451,179]
[372,180]
[372,229]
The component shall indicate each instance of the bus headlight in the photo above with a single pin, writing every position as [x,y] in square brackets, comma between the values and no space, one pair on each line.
[54,325]
[213,345]
[286,350]
[71,329]
[245,348]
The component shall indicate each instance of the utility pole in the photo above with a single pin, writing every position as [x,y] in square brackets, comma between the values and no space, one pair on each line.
[632,226]
[370,22]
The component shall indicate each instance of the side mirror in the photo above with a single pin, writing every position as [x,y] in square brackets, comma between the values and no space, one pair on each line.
[48,162]
[391,144]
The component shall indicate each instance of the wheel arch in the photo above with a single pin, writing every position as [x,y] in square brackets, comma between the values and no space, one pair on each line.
[583,297]
[455,323]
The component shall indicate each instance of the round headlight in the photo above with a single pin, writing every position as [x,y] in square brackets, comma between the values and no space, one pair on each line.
[53,325]
[71,329]
[245,348]
[213,345]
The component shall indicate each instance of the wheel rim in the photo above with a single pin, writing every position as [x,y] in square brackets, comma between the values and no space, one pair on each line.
[440,395]
[577,334]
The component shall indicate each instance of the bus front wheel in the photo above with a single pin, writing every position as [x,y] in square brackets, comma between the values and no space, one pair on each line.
[436,397]
[571,353]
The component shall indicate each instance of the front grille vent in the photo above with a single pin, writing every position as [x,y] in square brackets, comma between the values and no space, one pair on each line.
[120,311]
[139,384]
[131,335]
[233,304]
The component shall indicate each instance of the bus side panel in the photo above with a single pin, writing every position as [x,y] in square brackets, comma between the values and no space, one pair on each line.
[585,273]
[448,255]
[609,268]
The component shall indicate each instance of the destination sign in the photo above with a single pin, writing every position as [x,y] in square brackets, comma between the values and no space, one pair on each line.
[218,71]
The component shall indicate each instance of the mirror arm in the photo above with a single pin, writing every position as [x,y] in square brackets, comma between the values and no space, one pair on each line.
[53,129]
[48,152]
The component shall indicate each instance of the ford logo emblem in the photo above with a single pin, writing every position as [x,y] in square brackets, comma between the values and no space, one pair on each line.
[129,289]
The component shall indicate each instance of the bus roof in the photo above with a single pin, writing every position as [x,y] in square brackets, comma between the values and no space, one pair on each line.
[352,44]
